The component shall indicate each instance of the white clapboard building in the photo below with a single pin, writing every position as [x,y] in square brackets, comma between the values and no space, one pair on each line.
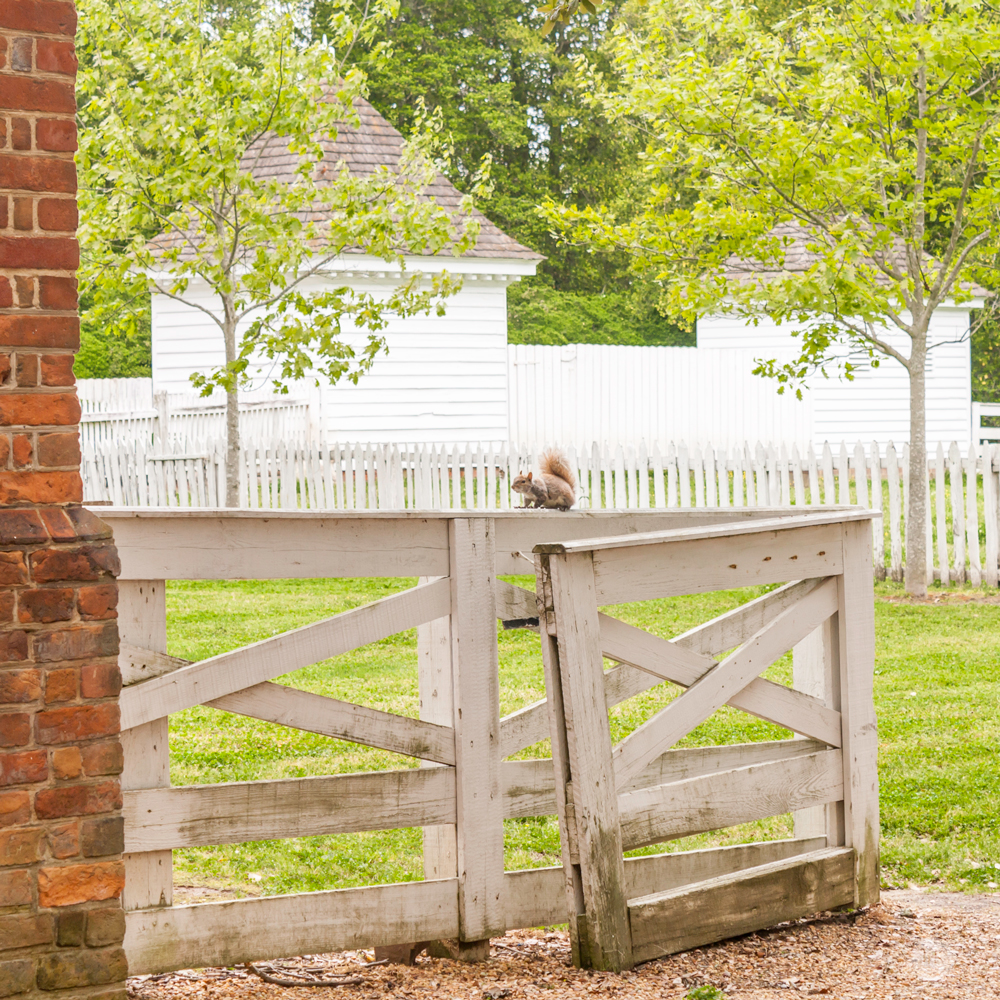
[874,405]
[443,377]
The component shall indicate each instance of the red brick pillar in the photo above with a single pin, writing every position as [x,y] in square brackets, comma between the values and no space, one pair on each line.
[61,836]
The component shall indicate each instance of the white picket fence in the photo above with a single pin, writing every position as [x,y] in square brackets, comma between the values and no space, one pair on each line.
[127,410]
[963,514]
[980,430]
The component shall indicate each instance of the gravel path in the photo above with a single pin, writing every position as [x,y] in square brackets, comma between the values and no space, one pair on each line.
[912,945]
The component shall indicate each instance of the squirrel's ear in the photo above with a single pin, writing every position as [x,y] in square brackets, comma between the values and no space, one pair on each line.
[529,477]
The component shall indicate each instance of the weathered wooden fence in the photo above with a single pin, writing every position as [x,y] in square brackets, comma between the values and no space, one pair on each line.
[831,772]
[963,514]
[469,784]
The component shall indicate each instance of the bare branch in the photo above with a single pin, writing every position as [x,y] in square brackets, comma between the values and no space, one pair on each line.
[188,302]
[883,347]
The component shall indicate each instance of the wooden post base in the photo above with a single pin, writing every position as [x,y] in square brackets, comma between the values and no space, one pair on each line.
[460,951]
[400,954]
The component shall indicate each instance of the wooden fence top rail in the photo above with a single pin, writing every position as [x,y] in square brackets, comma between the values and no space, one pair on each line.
[201,513]
[830,515]
[202,543]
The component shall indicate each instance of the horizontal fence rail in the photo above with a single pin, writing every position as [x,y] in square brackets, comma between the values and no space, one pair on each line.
[963,512]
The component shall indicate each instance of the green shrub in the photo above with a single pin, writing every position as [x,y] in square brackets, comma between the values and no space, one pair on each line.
[708,992]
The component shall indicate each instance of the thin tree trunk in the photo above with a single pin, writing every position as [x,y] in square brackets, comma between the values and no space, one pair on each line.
[915,577]
[232,414]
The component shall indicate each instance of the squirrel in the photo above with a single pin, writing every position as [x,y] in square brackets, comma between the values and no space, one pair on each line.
[554,488]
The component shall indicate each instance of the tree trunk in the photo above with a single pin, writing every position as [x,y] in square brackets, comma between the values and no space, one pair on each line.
[915,576]
[232,415]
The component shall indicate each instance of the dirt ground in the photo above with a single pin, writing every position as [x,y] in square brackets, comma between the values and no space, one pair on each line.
[912,945]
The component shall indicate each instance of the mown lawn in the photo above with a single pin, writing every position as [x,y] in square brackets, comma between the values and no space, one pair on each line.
[937,693]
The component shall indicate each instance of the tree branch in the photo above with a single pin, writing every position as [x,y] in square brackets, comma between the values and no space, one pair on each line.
[187,302]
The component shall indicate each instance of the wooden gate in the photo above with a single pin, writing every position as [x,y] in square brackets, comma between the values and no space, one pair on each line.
[468,787]
[608,804]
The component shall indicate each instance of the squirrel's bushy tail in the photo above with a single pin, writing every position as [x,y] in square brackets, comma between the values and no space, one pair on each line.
[556,463]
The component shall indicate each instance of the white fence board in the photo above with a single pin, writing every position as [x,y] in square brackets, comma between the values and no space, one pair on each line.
[184,937]
[342,720]
[582,392]
[127,409]
[158,819]
[536,897]
[726,798]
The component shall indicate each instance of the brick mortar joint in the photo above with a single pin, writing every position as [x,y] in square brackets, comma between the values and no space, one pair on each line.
[29,33]
[41,349]
[35,152]
[44,75]
[38,272]
[59,784]
[41,429]
[61,544]
[33,390]
[34,627]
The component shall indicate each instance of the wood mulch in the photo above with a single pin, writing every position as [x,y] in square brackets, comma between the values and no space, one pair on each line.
[912,945]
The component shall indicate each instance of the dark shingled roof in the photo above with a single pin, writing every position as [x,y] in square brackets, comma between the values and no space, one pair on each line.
[376,143]
[799,258]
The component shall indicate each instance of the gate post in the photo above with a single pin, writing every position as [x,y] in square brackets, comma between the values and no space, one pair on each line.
[856,643]
[61,832]
[586,796]
[142,622]
[476,686]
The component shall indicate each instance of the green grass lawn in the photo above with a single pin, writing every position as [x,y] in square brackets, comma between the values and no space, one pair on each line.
[937,688]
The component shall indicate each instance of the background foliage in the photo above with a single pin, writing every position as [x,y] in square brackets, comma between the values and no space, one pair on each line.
[502,90]
[505,89]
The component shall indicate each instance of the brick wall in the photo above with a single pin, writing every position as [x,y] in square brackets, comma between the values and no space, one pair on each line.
[61,835]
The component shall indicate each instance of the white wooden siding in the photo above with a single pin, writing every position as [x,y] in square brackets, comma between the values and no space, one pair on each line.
[875,405]
[454,379]
[443,378]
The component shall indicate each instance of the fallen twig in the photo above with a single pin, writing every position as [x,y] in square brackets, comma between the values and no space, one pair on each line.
[268,978]
[507,947]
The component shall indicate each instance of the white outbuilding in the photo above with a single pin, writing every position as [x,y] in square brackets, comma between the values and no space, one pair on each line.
[453,378]
[874,405]
[443,378]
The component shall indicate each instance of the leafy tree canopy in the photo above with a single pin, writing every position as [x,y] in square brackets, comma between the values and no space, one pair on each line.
[862,139]
[182,111]
[818,130]
[540,314]
[507,92]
